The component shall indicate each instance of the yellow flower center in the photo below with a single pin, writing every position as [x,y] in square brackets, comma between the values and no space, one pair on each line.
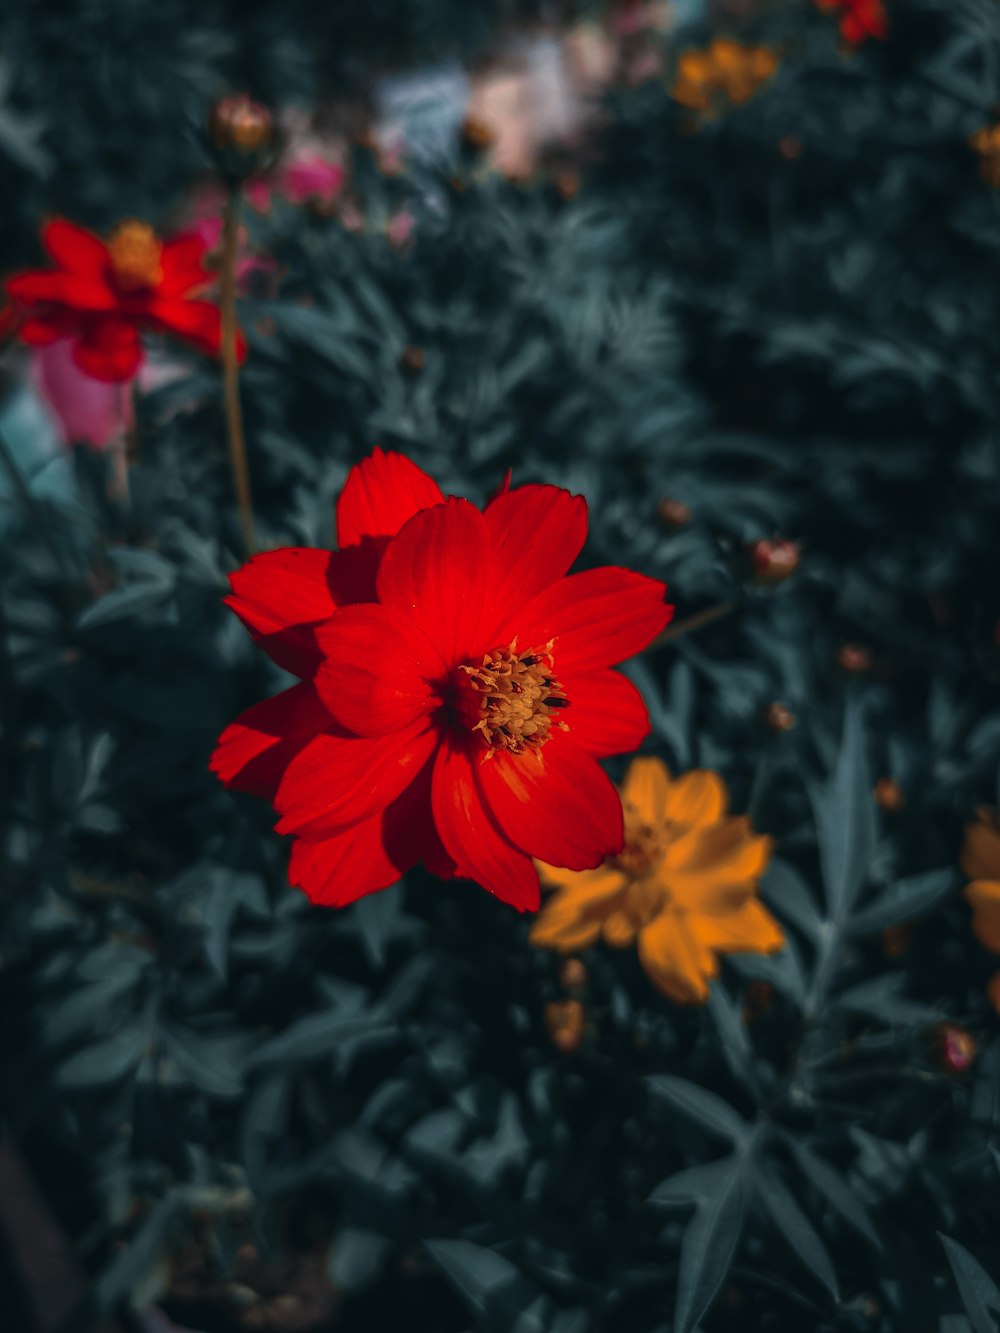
[644,847]
[511,699]
[135,255]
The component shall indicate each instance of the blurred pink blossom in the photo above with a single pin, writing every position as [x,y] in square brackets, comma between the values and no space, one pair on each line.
[310,176]
[400,228]
[84,410]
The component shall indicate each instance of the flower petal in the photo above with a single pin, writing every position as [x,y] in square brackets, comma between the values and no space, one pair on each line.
[983,895]
[537,532]
[572,918]
[472,837]
[606,713]
[109,349]
[282,596]
[254,751]
[381,493]
[196,322]
[344,867]
[750,928]
[183,262]
[713,868]
[44,330]
[981,849]
[338,780]
[439,569]
[43,286]
[379,670]
[74,248]
[678,964]
[645,788]
[695,799]
[557,804]
[597,618]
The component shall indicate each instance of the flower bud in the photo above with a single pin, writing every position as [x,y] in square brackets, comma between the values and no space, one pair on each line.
[854,658]
[477,135]
[889,795]
[413,359]
[779,718]
[790,147]
[566,1021]
[956,1048]
[238,124]
[774,560]
[673,513]
[573,974]
[758,999]
[896,940]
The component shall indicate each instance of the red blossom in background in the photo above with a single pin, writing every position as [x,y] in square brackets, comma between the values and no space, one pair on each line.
[859,19]
[456,691]
[102,294]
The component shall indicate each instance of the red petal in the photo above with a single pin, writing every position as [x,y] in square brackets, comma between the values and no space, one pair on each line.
[74,248]
[197,322]
[380,494]
[281,597]
[45,330]
[183,264]
[44,286]
[109,349]
[473,838]
[341,869]
[537,531]
[254,751]
[439,569]
[606,713]
[379,670]
[557,804]
[339,780]
[597,618]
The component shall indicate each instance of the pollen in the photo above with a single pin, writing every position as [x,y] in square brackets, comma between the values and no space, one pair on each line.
[513,700]
[135,254]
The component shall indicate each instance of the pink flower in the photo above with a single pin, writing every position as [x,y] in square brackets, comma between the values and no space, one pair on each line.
[84,410]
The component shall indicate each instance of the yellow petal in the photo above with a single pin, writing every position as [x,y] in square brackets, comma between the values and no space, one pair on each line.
[696,798]
[981,850]
[645,789]
[750,929]
[567,935]
[558,877]
[993,991]
[618,930]
[691,95]
[677,963]
[572,918]
[985,914]
[711,867]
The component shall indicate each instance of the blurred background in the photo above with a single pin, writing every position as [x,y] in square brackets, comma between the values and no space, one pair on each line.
[729,268]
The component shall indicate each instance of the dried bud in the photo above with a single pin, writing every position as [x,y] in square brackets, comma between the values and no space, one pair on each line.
[567,182]
[790,147]
[774,560]
[956,1048]
[896,940]
[673,513]
[477,135]
[566,1021]
[853,657]
[573,974]
[889,795]
[413,359]
[241,125]
[779,718]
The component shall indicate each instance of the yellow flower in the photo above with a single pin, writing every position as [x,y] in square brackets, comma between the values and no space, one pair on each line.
[724,71]
[986,142]
[683,889]
[981,862]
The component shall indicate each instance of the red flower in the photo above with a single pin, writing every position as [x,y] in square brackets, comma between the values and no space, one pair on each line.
[859,19]
[456,689]
[101,294]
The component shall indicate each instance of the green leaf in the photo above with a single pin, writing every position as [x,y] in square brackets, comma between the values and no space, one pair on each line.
[736,1046]
[834,1189]
[710,1241]
[798,1231]
[977,1289]
[103,1062]
[490,1285]
[701,1106]
[784,889]
[904,900]
[845,820]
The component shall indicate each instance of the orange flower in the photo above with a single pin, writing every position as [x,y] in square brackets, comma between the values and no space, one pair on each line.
[986,143]
[981,862]
[684,889]
[725,71]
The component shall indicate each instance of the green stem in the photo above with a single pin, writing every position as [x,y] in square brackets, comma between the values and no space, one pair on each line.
[697,621]
[230,368]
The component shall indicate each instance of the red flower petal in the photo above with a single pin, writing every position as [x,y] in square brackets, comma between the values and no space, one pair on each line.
[281,597]
[606,713]
[42,331]
[557,804]
[598,618]
[254,751]
[108,349]
[345,867]
[183,264]
[197,322]
[379,670]
[472,837]
[339,780]
[45,286]
[439,569]
[381,493]
[74,248]
[537,532]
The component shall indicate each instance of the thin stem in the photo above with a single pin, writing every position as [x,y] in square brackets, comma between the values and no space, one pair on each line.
[697,621]
[230,367]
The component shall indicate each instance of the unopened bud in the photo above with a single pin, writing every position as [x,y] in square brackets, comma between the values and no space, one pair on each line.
[573,974]
[889,795]
[238,124]
[413,359]
[790,147]
[566,1021]
[477,135]
[774,560]
[896,940]
[956,1048]
[673,513]
[779,718]
[854,658]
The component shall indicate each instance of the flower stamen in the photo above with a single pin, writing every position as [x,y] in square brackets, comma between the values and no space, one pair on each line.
[135,255]
[509,699]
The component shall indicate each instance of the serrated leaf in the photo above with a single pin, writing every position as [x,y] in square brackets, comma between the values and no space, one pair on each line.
[978,1291]
[798,1231]
[700,1105]
[845,820]
[710,1242]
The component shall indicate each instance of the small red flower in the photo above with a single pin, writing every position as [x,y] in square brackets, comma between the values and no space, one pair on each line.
[101,294]
[859,19]
[456,689]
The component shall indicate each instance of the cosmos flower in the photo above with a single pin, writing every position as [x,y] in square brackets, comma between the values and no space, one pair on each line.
[683,890]
[725,72]
[980,860]
[859,19]
[101,294]
[456,691]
